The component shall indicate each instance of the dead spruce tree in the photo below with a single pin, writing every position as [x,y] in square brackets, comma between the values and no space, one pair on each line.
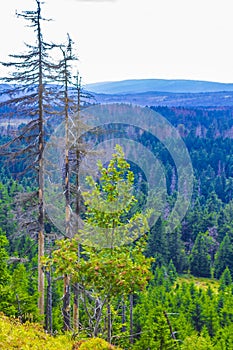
[70,99]
[68,104]
[30,96]
[73,100]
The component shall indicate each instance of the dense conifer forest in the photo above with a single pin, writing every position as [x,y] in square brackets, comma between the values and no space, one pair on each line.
[187,300]
[161,290]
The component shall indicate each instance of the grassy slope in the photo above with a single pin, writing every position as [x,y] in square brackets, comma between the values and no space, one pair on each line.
[200,281]
[29,336]
[14,335]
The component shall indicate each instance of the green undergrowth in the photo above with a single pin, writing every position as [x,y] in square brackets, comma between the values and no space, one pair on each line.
[31,336]
[201,282]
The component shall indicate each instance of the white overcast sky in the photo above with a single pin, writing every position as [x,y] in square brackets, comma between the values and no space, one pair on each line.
[133,39]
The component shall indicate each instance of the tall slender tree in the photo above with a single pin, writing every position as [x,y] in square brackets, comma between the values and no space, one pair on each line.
[71,97]
[67,77]
[31,97]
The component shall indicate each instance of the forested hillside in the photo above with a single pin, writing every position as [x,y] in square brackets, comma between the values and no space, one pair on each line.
[197,311]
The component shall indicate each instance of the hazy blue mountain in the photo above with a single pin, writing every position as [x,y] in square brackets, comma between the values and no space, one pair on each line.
[160,85]
[210,94]
[170,99]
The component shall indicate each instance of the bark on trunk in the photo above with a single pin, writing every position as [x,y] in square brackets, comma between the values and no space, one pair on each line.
[49,320]
[41,171]
[131,318]
[76,308]
[123,329]
[77,212]
[66,298]
[109,324]
[66,304]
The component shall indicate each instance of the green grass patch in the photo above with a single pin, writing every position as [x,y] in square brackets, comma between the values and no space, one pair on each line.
[200,282]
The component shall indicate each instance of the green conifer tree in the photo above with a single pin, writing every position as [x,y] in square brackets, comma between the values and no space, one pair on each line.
[225,279]
[224,257]
[200,262]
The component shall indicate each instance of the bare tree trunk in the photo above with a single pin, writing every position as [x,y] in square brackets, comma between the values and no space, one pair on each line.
[131,318]
[67,167]
[66,298]
[76,302]
[66,304]
[77,212]
[19,309]
[41,172]
[109,318]
[123,318]
[76,308]
[169,325]
[40,273]
[49,319]
[32,71]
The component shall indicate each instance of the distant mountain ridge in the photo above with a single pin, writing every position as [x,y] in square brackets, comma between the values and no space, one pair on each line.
[155,94]
[170,99]
[159,85]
